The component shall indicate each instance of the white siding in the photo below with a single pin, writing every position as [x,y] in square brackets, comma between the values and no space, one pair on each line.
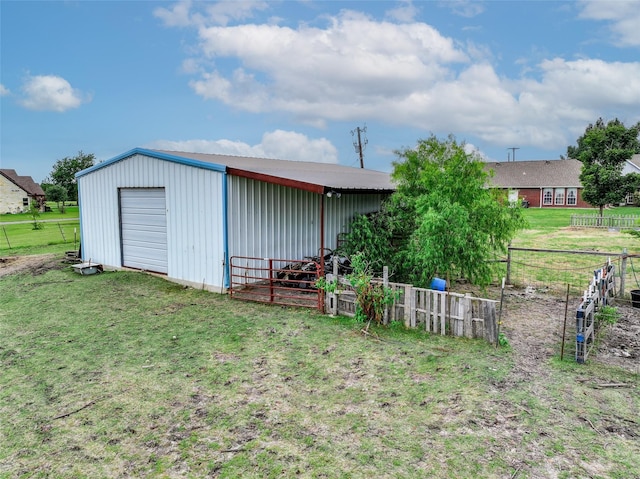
[194,206]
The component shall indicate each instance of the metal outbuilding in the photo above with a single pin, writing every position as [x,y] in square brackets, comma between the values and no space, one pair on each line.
[185,214]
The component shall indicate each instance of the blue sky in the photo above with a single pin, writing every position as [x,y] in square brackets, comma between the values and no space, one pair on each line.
[292,79]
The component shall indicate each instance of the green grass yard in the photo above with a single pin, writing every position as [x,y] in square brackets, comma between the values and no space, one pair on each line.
[123,374]
[60,232]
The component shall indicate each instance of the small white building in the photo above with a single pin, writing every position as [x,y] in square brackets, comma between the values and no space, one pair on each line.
[186,214]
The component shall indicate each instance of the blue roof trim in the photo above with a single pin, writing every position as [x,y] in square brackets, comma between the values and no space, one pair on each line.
[225,230]
[154,154]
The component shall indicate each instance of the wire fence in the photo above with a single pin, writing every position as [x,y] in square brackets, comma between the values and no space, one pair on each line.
[553,270]
[20,235]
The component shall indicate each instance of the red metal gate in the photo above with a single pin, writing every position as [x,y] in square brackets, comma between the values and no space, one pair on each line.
[276,281]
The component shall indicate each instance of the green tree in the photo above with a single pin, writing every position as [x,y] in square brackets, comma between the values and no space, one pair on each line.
[443,219]
[64,171]
[58,194]
[603,149]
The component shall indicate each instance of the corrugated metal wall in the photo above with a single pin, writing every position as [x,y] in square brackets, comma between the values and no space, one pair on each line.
[194,216]
[340,212]
[272,221]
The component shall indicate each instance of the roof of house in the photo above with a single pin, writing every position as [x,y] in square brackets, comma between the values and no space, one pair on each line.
[25,182]
[635,161]
[536,174]
[316,177]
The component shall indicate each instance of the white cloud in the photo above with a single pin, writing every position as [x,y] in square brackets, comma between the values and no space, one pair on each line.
[623,15]
[50,93]
[405,12]
[352,64]
[178,15]
[407,74]
[219,13]
[4,90]
[465,8]
[279,144]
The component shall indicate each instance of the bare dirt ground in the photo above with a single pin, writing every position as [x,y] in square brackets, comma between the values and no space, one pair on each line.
[533,321]
[36,264]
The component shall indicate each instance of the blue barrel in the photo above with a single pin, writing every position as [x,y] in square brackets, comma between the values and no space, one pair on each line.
[438,284]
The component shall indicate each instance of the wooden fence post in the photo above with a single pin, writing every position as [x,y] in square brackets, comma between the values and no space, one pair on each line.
[623,272]
[467,315]
[509,265]
[443,312]
[490,323]
[385,285]
[333,297]
[409,306]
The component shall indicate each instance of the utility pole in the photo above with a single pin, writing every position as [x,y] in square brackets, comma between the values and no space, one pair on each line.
[358,143]
[513,149]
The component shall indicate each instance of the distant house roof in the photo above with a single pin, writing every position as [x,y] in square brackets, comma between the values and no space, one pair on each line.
[25,182]
[632,165]
[311,176]
[536,174]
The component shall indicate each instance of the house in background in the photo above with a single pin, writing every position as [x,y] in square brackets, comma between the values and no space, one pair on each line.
[186,215]
[631,165]
[541,183]
[17,192]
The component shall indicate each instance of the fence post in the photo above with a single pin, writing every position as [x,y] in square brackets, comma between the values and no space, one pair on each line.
[467,315]
[509,265]
[333,297]
[385,285]
[409,306]
[5,235]
[623,272]
[271,291]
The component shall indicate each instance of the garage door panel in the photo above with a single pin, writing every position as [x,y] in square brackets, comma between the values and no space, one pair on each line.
[144,228]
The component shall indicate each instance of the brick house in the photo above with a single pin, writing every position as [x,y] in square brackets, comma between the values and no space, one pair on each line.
[541,183]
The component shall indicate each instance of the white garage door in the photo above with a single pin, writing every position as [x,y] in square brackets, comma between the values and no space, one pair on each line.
[143,221]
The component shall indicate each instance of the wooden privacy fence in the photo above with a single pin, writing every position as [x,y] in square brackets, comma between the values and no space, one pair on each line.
[600,290]
[597,221]
[439,312]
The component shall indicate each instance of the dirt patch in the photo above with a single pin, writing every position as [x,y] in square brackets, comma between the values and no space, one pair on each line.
[35,264]
[533,319]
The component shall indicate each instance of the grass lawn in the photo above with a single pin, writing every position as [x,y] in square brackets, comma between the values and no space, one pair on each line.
[70,214]
[60,232]
[22,239]
[127,375]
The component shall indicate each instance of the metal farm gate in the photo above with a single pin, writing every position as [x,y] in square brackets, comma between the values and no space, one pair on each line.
[276,281]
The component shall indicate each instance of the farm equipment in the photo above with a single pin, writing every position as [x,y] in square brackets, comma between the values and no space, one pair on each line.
[303,274]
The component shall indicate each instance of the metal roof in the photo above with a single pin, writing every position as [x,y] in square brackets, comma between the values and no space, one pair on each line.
[327,175]
[536,174]
[311,176]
